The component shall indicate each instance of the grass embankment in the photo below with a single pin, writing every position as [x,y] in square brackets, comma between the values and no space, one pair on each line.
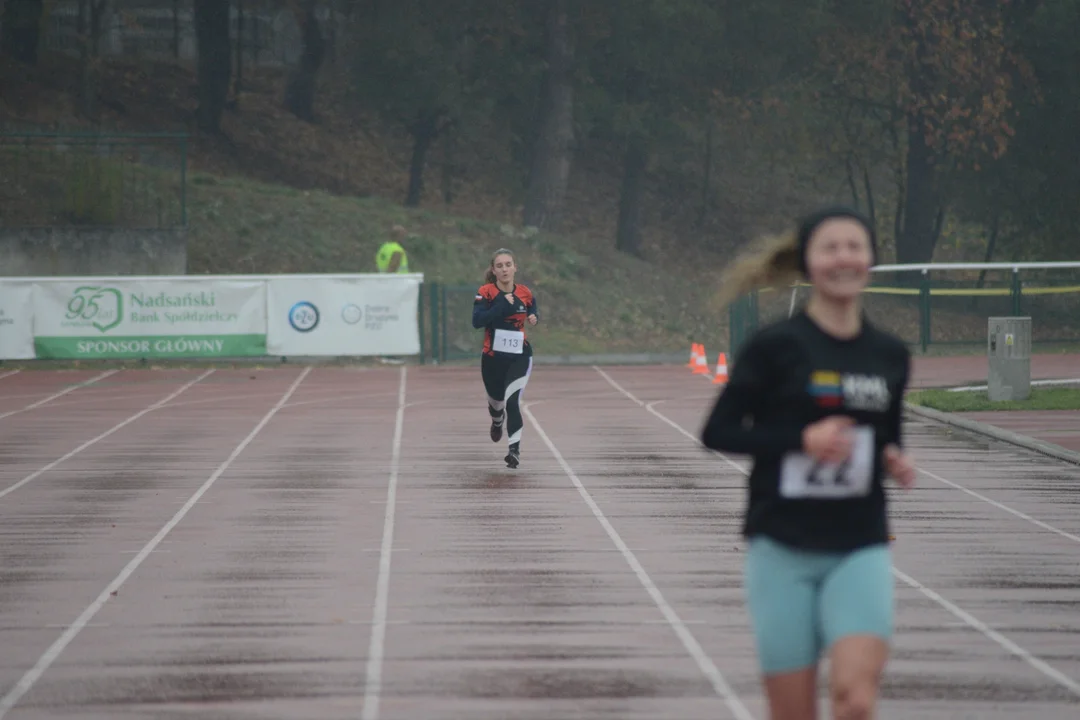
[592,299]
[1041,398]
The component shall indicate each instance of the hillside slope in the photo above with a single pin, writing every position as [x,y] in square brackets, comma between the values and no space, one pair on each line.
[277,195]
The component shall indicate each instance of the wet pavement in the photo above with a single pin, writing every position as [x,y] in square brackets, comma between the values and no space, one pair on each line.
[1061,427]
[953,370]
[241,525]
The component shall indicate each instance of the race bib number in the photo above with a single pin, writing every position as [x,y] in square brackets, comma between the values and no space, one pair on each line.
[509,341]
[802,477]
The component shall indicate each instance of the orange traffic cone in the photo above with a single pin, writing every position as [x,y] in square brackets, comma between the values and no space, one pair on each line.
[693,356]
[721,376]
[701,365]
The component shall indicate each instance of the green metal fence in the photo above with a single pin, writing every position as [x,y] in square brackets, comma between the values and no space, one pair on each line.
[933,305]
[132,181]
[446,323]
[926,305]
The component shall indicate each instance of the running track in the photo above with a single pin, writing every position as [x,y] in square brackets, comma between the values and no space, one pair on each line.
[345,543]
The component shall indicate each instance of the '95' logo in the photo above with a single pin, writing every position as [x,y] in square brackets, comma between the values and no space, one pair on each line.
[99,307]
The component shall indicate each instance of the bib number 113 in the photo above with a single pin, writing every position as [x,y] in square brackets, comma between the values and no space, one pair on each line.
[509,341]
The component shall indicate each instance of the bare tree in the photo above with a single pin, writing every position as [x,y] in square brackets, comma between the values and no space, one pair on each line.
[300,91]
[549,173]
[215,61]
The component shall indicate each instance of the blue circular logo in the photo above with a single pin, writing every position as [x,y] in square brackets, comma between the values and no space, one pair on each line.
[303,316]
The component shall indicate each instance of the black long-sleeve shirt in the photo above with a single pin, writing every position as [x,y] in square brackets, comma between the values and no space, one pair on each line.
[789,375]
[493,312]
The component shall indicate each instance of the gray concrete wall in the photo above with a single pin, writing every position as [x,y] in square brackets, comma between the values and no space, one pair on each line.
[77,251]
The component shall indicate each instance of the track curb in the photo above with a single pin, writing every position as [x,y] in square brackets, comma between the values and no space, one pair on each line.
[1029,443]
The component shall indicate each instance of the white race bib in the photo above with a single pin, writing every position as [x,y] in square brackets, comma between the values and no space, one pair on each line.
[509,341]
[801,477]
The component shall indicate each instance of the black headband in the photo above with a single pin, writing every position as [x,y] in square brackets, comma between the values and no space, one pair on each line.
[811,222]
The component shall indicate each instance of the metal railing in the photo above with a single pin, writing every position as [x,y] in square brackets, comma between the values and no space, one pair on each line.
[938,304]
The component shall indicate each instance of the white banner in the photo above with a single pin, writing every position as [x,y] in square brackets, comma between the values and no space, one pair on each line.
[16,321]
[363,315]
[149,318]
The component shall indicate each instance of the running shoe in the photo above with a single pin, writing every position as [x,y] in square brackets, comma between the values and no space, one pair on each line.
[496,431]
[513,458]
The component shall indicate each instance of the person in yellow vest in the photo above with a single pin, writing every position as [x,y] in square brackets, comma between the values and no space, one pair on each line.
[391,257]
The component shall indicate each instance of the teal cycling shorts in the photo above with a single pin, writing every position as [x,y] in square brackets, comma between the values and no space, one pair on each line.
[801,602]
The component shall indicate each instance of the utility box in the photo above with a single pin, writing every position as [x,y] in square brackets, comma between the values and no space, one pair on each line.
[1009,353]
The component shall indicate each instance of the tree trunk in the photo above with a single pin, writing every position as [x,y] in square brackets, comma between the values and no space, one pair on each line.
[215,61]
[176,30]
[995,227]
[300,92]
[549,174]
[90,18]
[628,231]
[871,209]
[851,183]
[22,29]
[916,242]
[238,85]
[424,132]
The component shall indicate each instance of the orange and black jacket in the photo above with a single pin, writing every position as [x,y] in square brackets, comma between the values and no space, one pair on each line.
[492,311]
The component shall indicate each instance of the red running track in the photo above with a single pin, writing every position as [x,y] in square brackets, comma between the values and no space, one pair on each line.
[183,543]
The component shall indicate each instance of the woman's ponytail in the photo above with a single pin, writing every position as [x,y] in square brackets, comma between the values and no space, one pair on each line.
[771,262]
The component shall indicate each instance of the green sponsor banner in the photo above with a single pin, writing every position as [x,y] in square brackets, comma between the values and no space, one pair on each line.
[150,346]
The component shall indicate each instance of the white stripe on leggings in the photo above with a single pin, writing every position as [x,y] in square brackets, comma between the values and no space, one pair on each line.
[518,386]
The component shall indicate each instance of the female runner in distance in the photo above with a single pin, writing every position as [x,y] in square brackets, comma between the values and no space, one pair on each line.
[816,400]
[502,309]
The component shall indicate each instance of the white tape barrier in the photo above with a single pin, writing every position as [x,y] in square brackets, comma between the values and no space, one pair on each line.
[209,316]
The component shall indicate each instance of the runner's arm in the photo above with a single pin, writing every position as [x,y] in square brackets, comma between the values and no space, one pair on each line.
[487,311]
[751,379]
[896,408]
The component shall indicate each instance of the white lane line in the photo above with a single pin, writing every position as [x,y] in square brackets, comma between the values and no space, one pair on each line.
[72,388]
[376,649]
[9,373]
[968,618]
[1034,383]
[49,657]
[704,663]
[102,436]
[1002,506]
[1040,665]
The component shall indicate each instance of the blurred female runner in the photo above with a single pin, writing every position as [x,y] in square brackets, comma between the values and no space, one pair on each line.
[816,400]
[502,308]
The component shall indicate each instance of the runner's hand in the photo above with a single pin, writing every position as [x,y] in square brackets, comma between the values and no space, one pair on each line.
[532,319]
[829,440]
[509,298]
[898,464]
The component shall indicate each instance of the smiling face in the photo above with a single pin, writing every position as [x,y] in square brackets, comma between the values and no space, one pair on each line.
[503,267]
[838,259]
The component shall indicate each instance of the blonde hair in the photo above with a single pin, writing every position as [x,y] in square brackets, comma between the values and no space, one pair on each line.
[489,276]
[770,262]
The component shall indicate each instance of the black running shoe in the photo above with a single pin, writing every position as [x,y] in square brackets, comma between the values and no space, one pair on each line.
[496,431]
[513,458]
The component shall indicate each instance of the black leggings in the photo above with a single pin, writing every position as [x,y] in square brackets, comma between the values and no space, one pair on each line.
[505,377]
